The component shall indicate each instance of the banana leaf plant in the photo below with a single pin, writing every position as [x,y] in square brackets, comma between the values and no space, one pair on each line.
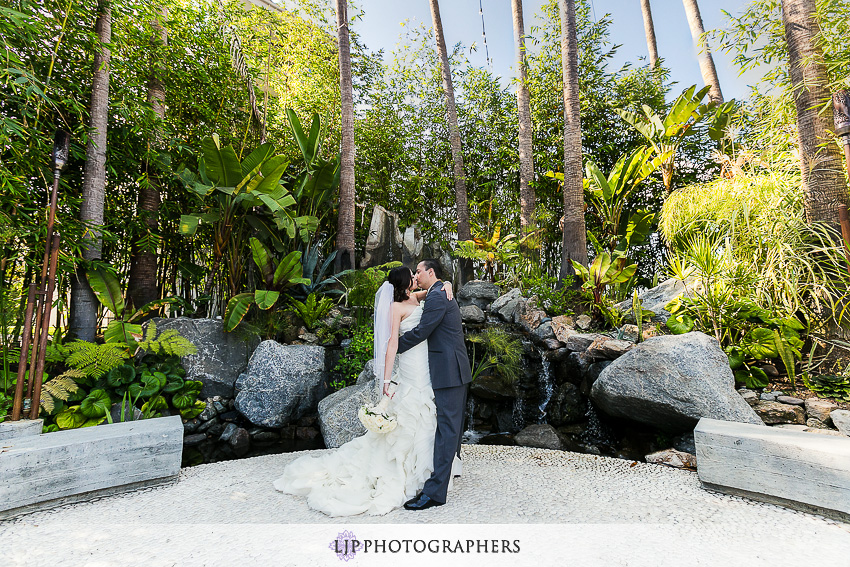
[608,197]
[237,198]
[605,270]
[277,277]
[687,115]
[491,249]
[126,327]
[315,186]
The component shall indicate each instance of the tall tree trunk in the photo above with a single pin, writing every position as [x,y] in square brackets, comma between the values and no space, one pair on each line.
[463,232]
[345,223]
[142,288]
[820,159]
[706,61]
[649,29]
[575,236]
[527,199]
[83,320]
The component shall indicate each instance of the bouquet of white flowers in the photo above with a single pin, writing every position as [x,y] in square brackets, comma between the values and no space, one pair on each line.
[376,418]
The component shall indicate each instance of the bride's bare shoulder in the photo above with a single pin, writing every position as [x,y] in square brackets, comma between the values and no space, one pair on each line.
[401,310]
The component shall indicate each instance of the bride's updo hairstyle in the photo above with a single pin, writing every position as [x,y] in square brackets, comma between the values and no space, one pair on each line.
[400,278]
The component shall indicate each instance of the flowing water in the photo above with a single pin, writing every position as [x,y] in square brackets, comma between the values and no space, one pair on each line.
[470,436]
[597,433]
[518,417]
[546,389]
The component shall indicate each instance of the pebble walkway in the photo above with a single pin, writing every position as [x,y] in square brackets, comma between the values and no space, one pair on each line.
[178,524]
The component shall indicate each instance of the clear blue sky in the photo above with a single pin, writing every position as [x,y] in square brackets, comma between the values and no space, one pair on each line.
[380,28]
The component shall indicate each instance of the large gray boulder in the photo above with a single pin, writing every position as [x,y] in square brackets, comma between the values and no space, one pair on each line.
[671,382]
[472,314]
[478,292]
[507,306]
[384,243]
[282,383]
[656,298]
[413,246]
[221,357]
[338,419]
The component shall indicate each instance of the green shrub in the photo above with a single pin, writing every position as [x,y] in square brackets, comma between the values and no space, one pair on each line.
[362,285]
[749,234]
[552,298]
[356,355]
[835,386]
[760,268]
[5,405]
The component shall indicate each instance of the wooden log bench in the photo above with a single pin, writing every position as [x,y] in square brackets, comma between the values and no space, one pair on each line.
[63,467]
[796,469]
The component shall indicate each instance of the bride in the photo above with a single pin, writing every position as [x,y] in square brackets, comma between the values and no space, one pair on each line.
[378,472]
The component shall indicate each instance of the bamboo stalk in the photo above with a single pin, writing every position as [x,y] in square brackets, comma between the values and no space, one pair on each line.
[36,379]
[22,361]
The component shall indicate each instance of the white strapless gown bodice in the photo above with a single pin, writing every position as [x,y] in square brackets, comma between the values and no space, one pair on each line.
[376,473]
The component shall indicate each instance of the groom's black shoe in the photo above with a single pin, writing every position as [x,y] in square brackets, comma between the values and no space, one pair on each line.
[421,502]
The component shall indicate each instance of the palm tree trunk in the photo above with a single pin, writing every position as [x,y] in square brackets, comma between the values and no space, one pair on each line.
[83,320]
[345,223]
[649,29]
[142,288]
[463,231]
[820,159]
[575,237]
[527,198]
[706,61]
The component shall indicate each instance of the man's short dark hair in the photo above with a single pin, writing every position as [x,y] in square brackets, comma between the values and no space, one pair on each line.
[432,264]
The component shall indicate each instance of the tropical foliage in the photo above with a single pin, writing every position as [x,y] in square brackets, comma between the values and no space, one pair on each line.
[243,155]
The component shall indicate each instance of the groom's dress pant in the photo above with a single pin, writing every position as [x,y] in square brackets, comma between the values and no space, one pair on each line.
[451,405]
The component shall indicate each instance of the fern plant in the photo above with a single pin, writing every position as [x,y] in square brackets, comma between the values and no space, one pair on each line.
[5,404]
[312,310]
[95,360]
[168,342]
[59,388]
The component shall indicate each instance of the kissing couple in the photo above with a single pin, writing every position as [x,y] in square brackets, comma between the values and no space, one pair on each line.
[419,349]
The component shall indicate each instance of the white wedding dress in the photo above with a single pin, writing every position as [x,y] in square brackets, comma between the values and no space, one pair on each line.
[376,472]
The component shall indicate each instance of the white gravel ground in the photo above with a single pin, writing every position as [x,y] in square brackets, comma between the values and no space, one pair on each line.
[618,512]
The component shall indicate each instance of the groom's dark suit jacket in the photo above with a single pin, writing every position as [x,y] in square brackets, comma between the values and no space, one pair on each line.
[441,325]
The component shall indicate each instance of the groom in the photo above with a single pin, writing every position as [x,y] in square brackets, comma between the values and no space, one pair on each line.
[440,324]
